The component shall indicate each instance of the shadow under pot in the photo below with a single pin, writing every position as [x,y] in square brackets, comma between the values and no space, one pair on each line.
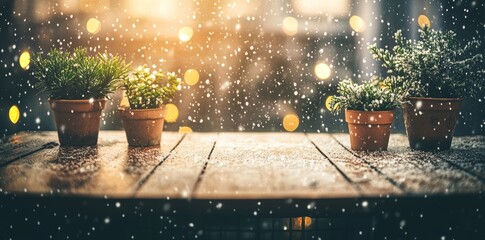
[143,127]
[77,121]
[369,130]
[430,122]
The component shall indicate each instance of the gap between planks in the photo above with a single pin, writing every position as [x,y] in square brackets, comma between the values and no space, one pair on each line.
[202,172]
[470,173]
[145,177]
[389,179]
[28,152]
[347,178]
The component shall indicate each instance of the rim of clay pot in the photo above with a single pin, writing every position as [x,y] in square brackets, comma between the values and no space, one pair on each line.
[369,117]
[81,105]
[433,104]
[150,113]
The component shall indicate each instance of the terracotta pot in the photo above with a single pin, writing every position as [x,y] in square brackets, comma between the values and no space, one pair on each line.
[430,122]
[143,127]
[77,121]
[369,130]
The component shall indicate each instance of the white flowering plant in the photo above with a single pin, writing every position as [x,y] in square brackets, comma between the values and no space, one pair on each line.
[435,65]
[371,95]
[147,89]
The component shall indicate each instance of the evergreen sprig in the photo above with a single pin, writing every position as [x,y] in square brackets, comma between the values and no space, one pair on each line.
[77,76]
[149,89]
[435,65]
[369,96]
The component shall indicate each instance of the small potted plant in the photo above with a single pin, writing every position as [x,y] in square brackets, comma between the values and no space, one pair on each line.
[78,86]
[369,112]
[434,73]
[147,91]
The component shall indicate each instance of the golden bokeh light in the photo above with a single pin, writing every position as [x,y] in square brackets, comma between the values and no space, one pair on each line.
[423,21]
[327,103]
[185,34]
[322,71]
[290,26]
[357,23]
[24,60]
[14,114]
[291,122]
[93,26]
[191,77]
[124,101]
[185,129]
[297,222]
[172,112]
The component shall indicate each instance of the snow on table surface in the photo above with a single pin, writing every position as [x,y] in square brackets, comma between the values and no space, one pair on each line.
[238,166]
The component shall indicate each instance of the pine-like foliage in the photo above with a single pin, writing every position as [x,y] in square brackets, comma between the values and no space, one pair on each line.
[369,96]
[435,65]
[149,89]
[76,76]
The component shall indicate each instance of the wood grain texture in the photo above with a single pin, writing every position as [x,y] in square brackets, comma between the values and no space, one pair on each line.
[176,177]
[240,166]
[24,143]
[468,154]
[270,165]
[418,172]
[109,169]
[369,181]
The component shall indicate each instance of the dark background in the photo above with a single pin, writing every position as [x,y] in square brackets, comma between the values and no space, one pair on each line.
[252,73]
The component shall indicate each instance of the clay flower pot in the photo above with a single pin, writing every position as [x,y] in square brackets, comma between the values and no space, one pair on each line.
[143,127]
[369,130]
[430,122]
[77,121]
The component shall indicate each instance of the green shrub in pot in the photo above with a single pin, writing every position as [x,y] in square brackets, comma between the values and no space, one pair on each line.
[78,85]
[147,92]
[369,112]
[434,73]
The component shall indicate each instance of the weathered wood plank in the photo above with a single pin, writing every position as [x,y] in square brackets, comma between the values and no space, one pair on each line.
[417,171]
[22,144]
[468,142]
[370,182]
[110,169]
[467,153]
[270,165]
[177,176]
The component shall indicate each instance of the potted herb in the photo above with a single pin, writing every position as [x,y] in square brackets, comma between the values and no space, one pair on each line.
[434,73]
[78,85]
[147,91]
[369,112]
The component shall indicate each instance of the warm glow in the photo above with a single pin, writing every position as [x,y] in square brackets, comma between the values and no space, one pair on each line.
[382,85]
[327,103]
[24,60]
[291,122]
[357,23]
[321,7]
[191,77]
[124,101]
[185,34]
[172,112]
[93,25]
[185,129]
[323,71]
[290,26]
[14,114]
[423,20]
[240,8]
[297,222]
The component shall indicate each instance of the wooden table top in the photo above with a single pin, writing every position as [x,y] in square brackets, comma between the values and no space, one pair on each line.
[238,166]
